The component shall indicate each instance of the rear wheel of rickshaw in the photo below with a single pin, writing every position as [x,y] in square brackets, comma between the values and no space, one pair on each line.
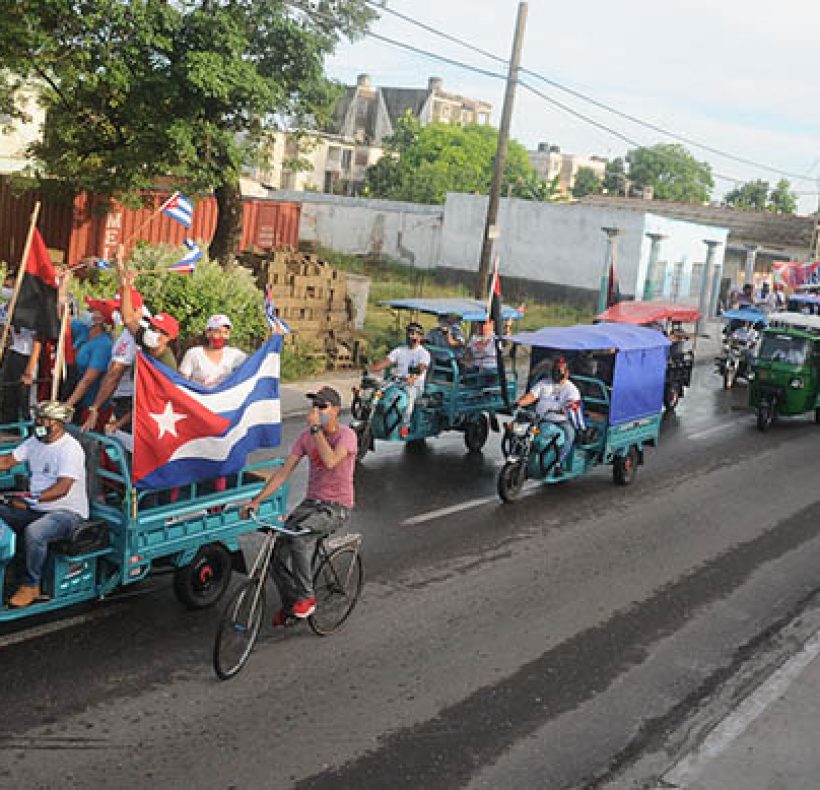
[625,467]
[337,585]
[511,480]
[765,416]
[476,432]
[202,582]
[239,628]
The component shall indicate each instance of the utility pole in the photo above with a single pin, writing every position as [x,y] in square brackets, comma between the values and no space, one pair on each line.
[490,230]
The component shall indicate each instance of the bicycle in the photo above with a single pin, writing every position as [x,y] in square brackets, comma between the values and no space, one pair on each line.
[337,583]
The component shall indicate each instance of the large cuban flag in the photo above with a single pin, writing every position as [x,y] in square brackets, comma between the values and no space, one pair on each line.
[184,432]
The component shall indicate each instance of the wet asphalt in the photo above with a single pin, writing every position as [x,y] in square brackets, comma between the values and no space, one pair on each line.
[547,643]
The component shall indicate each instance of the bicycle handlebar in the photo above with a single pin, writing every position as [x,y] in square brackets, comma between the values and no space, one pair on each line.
[278,527]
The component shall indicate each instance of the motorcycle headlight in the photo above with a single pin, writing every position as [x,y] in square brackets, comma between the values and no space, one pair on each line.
[520,428]
[796,384]
[750,375]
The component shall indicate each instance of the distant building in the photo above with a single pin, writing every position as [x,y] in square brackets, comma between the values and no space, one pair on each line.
[549,162]
[16,135]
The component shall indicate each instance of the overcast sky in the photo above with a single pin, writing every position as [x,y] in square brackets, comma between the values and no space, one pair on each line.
[738,75]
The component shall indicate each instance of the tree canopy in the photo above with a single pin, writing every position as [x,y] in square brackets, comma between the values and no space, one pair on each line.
[759,196]
[423,163]
[586,183]
[141,90]
[672,172]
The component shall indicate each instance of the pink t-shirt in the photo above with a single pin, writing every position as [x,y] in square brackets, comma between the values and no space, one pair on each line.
[329,485]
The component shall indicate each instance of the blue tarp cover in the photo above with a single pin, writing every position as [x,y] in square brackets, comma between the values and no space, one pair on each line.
[468,309]
[745,314]
[640,364]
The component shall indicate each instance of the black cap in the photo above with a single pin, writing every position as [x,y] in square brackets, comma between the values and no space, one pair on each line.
[327,394]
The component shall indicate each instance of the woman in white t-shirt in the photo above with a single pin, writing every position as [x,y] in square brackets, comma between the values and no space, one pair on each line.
[211,364]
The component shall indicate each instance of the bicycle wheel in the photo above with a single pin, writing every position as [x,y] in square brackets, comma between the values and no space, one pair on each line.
[239,628]
[337,584]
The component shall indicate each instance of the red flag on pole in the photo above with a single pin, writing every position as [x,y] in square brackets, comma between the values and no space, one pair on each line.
[36,306]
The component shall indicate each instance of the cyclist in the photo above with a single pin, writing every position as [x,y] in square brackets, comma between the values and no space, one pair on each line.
[331,450]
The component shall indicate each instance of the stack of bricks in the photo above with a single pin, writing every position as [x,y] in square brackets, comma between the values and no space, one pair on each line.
[311,297]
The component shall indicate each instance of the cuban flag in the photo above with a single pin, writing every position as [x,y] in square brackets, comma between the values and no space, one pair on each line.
[184,432]
[188,263]
[575,415]
[276,324]
[179,208]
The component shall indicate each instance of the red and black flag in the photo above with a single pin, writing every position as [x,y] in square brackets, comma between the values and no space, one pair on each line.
[36,306]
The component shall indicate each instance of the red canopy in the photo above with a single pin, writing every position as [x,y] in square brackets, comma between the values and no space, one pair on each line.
[647,312]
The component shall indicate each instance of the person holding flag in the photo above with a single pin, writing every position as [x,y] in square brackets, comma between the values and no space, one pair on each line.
[212,363]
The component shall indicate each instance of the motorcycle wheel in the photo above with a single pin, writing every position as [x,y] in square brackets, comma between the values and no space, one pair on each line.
[476,432]
[671,398]
[511,480]
[356,411]
[729,376]
[817,416]
[765,416]
[364,438]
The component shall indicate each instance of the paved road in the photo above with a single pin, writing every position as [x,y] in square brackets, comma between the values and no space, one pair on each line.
[545,644]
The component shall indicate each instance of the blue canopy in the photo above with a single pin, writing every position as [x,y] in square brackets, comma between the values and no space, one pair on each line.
[745,314]
[804,298]
[639,377]
[466,309]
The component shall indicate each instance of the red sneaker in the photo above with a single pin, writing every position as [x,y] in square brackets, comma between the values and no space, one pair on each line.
[280,619]
[404,431]
[304,608]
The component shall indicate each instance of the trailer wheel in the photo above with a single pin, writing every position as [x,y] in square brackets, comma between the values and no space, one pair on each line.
[625,467]
[202,582]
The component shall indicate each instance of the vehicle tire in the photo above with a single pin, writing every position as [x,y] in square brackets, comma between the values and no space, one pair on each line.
[817,416]
[364,438]
[765,416]
[356,408]
[239,628]
[476,433]
[625,467]
[729,376]
[203,581]
[511,480]
[671,398]
[337,585]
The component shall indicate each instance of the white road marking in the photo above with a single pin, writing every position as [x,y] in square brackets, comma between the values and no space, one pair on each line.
[716,428]
[432,515]
[50,628]
[735,724]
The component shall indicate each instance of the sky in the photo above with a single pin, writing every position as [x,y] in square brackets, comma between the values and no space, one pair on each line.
[737,75]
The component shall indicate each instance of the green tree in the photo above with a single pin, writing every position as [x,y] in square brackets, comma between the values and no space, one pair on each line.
[782,200]
[751,195]
[672,172]
[423,163]
[586,183]
[615,176]
[148,90]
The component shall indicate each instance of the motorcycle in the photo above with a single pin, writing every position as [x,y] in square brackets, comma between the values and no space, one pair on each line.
[735,362]
[362,406]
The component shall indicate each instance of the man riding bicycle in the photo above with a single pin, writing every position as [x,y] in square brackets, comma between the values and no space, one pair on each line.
[331,451]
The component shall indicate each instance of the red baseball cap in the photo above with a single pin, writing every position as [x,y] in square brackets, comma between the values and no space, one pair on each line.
[165,323]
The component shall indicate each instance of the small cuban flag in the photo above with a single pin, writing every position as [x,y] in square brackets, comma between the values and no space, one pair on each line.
[187,264]
[102,264]
[185,432]
[276,324]
[179,208]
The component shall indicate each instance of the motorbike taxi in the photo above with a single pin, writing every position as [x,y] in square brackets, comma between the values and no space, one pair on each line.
[741,335]
[622,392]
[785,378]
[668,318]
[130,532]
[457,396]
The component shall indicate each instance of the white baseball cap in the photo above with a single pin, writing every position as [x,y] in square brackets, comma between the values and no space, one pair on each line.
[217,321]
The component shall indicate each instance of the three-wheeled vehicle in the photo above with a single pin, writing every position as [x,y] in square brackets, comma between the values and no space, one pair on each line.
[622,395]
[669,318]
[131,533]
[737,353]
[804,302]
[785,380]
[456,397]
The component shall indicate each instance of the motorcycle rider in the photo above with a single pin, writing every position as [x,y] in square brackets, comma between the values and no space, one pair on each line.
[411,361]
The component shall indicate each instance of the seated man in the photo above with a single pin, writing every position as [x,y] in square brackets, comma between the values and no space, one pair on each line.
[57,503]
[411,362]
[745,333]
[448,335]
[557,400]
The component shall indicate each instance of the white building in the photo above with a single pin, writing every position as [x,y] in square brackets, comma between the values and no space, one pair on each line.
[16,135]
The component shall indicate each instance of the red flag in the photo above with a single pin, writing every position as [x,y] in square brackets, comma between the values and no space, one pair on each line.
[36,306]
[39,261]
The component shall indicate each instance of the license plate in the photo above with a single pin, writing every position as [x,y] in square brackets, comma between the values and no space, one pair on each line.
[763,375]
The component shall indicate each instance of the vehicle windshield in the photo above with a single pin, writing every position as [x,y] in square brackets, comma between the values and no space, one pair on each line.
[783,348]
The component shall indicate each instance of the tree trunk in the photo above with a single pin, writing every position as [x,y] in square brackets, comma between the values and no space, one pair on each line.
[228,234]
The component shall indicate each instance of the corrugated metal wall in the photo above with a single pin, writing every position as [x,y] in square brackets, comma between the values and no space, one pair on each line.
[95,227]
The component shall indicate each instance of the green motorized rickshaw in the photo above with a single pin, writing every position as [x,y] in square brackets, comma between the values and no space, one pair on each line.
[785,380]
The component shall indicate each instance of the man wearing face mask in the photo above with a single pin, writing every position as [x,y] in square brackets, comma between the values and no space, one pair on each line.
[555,399]
[57,502]
[331,450]
[411,362]
[212,363]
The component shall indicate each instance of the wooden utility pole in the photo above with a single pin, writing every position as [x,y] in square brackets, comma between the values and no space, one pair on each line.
[490,231]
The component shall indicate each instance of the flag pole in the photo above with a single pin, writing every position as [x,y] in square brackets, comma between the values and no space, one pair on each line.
[21,270]
[59,357]
[492,286]
[152,216]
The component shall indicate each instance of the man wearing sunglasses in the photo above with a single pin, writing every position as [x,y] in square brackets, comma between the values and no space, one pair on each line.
[331,451]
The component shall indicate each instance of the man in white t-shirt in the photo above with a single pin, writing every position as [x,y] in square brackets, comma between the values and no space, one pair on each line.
[557,400]
[411,361]
[57,502]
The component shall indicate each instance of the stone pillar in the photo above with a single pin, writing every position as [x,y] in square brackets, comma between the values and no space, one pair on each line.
[751,255]
[609,265]
[654,253]
[703,301]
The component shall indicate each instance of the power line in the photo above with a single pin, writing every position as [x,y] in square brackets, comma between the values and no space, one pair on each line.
[601,105]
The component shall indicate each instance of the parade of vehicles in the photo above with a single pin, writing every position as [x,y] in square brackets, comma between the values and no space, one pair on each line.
[669,318]
[131,533]
[735,360]
[623,404]
[785,376]
[456,397]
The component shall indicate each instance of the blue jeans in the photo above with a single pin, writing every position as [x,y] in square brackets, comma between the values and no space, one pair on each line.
[569,437]
[38,528]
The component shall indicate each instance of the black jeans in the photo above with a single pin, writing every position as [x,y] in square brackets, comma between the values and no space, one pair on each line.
[15,393]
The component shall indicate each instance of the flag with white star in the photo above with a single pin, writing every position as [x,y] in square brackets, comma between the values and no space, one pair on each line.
[185,432]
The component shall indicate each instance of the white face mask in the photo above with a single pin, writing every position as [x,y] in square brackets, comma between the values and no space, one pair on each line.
[150,337]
